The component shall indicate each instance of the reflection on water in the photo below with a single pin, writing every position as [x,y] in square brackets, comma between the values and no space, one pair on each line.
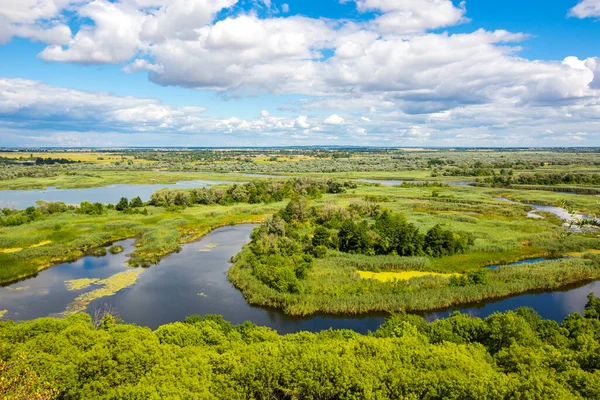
[194,281]
[20,199]
[551,305]
[529,261]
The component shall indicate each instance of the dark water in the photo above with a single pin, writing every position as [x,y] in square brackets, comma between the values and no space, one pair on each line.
[20,199]
[529,261]
[194,281]
[391,182]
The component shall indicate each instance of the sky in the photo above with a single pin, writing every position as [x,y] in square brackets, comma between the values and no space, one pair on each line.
[398,73]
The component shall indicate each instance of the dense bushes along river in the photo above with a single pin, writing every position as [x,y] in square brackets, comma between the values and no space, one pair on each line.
[510,355]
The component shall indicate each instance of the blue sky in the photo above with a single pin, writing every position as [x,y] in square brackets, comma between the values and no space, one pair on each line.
[260,72]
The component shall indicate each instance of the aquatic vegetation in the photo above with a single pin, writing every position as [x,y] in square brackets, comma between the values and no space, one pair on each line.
[115,249]
[402,276]
[17,289]
[2,312]
[79,284]
[110,286]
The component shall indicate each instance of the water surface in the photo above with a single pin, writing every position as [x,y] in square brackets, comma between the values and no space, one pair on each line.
[21,199]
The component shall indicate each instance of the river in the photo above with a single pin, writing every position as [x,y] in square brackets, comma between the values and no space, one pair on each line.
[194,281]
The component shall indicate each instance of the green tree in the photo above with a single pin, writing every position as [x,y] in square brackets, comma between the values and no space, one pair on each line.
[123,204]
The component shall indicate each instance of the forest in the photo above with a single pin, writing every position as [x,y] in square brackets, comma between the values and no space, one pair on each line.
[515,354]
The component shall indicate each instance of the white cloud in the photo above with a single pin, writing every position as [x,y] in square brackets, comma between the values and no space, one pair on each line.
[38,102]
[302,122]
[334,120]
[586,9]
[264,114]
[413,16]
[285,8]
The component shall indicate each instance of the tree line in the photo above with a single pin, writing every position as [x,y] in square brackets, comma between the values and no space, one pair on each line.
[253,192]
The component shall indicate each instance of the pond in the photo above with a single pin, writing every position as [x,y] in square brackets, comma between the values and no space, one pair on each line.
[194,281]
[21,199]
[391,182]
[561,213]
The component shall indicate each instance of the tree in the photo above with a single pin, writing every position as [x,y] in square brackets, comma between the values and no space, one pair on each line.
[356,238]
[296,210]
[123,204]
[136,202]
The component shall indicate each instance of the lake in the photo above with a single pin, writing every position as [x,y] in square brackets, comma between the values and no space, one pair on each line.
[194,281]
[21,199]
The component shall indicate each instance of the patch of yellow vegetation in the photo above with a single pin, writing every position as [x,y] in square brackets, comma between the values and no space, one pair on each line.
[212,246]
[581,253]
[13,250]
[110,286]
[401,276]
[17,249]
[18,289]
[78,284]
[2,312]
[40,244]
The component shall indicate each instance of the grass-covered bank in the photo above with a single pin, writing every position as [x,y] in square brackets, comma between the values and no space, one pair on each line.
[336,289]
[505,356]
[311,259]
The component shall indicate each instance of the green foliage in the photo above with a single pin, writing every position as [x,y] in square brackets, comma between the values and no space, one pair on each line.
[253,192]
[10,217]
[478,277]
[122,205]
[91,209]
[515,354]
[136,202]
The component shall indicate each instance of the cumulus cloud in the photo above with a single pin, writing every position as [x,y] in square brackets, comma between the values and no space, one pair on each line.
[302,122]
[413,16]
[38,102]
[334,120]
[586,9]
